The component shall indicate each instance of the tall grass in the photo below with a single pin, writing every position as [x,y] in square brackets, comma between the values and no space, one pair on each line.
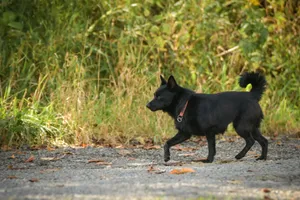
[82,71]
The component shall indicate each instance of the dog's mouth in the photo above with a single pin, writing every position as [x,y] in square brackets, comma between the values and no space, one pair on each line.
[150,107]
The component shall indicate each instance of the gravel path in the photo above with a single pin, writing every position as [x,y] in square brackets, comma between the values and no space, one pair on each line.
[138,173]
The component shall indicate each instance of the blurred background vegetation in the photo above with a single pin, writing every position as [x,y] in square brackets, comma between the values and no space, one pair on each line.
[82,71]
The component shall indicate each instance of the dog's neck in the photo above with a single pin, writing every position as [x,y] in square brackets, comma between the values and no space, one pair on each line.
[179,102]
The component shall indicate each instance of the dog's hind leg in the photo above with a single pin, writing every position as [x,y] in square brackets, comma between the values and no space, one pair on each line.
[244,133]
[263,143]
[178,138]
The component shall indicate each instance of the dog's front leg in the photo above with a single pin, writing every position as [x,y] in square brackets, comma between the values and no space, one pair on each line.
[178,138]
[211,140]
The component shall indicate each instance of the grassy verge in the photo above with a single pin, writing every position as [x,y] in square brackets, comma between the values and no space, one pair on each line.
[81,72]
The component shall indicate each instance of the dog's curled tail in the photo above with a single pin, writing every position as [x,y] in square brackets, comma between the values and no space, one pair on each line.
[257,81]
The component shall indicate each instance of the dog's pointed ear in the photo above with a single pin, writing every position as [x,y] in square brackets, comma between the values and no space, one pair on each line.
[171,82]
[163,81]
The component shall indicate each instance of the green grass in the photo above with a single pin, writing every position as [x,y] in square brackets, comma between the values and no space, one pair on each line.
[82,72]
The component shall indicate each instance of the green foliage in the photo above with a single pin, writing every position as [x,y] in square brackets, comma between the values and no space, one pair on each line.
[83,70]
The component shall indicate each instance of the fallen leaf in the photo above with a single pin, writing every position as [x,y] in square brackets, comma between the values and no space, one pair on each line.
[154,170]
[47,158]
[267,198]
[249,170]
[150,169]
[124,152]
[182,171]
[251,153]
[95,161]
[279,142]
[5,148]
[34,148]
[83,145]
[53,158]
[11,177]
[103,163]
[50,149]
[131,158]
[12,156]
[15,168]
[21,153]
[266,190]
[148,147]
[34,180]
[30,159]
[199,160]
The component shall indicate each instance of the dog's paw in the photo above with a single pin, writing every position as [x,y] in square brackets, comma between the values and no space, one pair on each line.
[207,160]
[238,157]
[261,158]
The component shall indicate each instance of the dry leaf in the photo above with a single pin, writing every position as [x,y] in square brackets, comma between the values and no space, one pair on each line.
[21,153]
[266,190]
[182,171]
[200,160]
[53,158]
[5,148]
[103,163]
[267,198]
[34,148]
[30,159]
[15,168]
[95,161]
[11,177]
[50,149]
[83,145]
[13,156]
[148,147]
[34,180]
[151,169]
[124,152]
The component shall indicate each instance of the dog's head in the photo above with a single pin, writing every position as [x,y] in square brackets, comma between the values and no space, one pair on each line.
[164,95]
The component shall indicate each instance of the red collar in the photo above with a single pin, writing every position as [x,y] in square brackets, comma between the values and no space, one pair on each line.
[180,116]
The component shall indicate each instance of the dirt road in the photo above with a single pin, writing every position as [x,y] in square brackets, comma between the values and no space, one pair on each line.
[138,173]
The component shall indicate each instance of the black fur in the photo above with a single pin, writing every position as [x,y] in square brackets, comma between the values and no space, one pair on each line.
[209,114]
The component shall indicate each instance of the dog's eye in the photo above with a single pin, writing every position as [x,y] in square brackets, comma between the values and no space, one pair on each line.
[157,97]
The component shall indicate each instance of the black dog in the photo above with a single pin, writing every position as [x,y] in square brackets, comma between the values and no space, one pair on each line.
[210,114]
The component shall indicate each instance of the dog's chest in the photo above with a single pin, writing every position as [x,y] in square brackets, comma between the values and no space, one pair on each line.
[189,126]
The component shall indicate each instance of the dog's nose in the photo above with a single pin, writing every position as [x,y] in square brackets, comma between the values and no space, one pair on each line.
[148,105]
